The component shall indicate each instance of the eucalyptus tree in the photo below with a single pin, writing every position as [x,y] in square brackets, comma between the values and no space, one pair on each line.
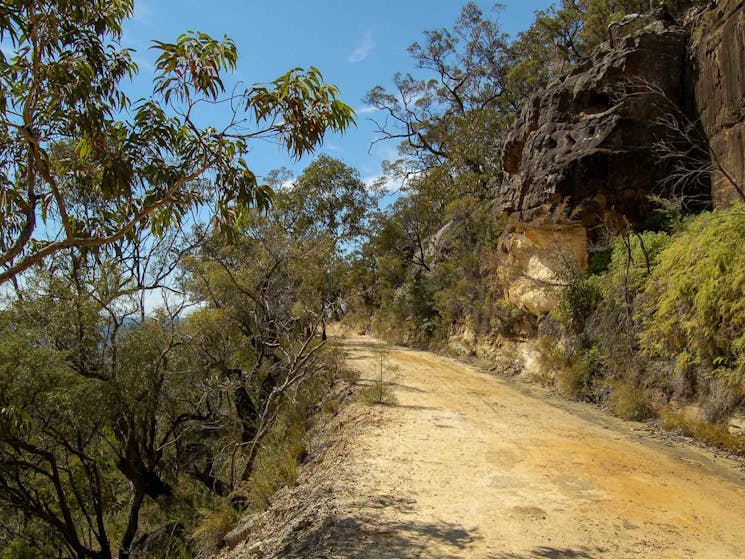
[328,198]
[328,206]
[82,165]
[93,395]
[449,113]
[98,397]
[255,331]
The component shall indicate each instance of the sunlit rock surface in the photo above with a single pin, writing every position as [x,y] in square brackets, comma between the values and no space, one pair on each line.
[537,260]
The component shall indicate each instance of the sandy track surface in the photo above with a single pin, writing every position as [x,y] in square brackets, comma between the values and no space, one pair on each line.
[469,465]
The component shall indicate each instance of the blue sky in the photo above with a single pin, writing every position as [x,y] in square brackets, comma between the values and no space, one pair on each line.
[356,45]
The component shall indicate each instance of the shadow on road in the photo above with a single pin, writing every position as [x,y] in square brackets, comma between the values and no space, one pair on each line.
[549,553]
[368,538]
[354,538]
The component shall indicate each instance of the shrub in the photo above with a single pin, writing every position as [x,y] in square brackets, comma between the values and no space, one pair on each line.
[18,549]
[722,397]
[693,307]
[511,321]
[587,299]
[712,433]
[633,258]
[574,369]
[278,461]
[215,522]
[285,447]
[575,379]
[550,357]
[630,401]
[578,302]
[380,390]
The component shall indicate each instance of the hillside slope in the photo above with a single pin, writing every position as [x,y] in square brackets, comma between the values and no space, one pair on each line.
[468,465]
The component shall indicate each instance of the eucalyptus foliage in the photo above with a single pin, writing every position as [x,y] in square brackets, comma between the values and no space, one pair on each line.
[82,165]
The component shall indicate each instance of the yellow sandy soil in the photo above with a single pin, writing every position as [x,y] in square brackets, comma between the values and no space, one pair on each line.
[469,465]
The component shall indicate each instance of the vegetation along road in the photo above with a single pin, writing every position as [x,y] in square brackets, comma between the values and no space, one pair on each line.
[468,465]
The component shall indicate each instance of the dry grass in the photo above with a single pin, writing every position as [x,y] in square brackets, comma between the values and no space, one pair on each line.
[377,393]
[278,462]
[380,389]
[630,401]
[574,379]
[209,533]
[711,433]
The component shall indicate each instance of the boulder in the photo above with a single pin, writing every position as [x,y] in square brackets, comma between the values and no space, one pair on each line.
[736,424]
[580,160]
[537,260]
[241,531]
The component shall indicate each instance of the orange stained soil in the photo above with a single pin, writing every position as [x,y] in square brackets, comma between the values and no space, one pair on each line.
[465,464]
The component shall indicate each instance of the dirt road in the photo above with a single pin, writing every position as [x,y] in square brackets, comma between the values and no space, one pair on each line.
[468,465]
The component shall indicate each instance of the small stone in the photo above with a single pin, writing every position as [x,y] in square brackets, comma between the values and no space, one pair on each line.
[241,532]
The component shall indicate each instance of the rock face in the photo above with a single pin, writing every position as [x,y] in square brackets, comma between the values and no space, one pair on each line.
[719,54]
[580,160]
[581,150]
[535,262]
[582,153]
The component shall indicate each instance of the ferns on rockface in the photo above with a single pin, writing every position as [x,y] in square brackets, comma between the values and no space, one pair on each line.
[693,307]
[666,317]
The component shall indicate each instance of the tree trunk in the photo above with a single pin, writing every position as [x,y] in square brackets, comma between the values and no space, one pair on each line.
[132,523]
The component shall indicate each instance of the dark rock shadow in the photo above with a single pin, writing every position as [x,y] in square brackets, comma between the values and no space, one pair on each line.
[415,407]
[360,357]
[388,502]
[371,346]
[407,388]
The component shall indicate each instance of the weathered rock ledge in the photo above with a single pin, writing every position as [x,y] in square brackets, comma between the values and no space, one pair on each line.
[582,160]
[581,163]
[581,150]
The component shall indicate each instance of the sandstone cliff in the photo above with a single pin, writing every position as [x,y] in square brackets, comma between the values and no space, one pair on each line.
[718,51]
[581,160]
[582,148]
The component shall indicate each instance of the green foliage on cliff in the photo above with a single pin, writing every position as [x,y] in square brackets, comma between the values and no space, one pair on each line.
[663,323]
[429,266]
[432,262]
[693,307]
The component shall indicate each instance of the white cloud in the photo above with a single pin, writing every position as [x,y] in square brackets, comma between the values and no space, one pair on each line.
[366,110]
[363,50]
[381,183]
